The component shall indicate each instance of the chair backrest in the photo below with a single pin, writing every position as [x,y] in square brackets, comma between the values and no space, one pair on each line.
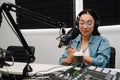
[112,58]
[18,52]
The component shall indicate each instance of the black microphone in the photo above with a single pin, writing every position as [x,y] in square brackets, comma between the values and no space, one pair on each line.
[65,39]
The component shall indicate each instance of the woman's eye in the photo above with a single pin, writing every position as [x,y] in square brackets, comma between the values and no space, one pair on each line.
[89,24]
[81,23]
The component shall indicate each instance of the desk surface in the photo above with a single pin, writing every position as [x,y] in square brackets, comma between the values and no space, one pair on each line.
[18,67]
[41,69]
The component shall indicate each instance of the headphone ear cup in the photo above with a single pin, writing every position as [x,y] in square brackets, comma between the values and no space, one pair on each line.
[77,22]
[97,23]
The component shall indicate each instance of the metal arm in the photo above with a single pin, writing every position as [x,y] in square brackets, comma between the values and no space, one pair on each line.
[33,15]
[7,7]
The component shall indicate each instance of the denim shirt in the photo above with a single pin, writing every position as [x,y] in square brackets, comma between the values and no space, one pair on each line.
[99,50]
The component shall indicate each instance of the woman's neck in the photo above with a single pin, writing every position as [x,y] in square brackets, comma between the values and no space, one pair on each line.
[85,39]
[85,42]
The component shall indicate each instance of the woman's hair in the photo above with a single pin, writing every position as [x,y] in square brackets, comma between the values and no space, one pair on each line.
[95,16]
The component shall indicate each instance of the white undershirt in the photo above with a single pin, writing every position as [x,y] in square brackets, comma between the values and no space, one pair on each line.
[86,52]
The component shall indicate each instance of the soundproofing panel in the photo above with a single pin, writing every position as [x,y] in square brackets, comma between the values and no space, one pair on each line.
[60,10]
[109,10]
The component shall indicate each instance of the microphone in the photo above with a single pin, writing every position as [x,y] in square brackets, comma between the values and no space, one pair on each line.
[65,39]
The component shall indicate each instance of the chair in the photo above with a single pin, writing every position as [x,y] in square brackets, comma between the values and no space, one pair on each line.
[112,58]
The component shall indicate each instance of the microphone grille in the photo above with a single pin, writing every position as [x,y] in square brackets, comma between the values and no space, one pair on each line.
[74,32]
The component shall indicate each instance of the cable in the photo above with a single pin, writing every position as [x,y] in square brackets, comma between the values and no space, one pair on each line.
[12,61]
[3,59]
[49,70]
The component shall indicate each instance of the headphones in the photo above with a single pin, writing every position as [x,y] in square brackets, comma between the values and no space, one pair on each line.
[92,13]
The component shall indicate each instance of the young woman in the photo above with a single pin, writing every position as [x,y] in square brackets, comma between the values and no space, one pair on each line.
[94,47]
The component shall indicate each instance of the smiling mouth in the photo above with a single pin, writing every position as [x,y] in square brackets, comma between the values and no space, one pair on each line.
[85,31]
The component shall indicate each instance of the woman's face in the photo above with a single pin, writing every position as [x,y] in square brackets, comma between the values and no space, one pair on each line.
[86,24]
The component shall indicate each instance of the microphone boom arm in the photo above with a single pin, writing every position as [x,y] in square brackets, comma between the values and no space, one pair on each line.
[7,7]
[33,15]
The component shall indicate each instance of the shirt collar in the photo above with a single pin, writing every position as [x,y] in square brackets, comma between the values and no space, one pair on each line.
[78,39]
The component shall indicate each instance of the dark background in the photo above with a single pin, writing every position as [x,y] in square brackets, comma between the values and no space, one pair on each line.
[109,10]
[64,11]
[60,10]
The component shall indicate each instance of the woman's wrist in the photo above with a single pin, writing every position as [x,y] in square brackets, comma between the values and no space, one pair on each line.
[67,61]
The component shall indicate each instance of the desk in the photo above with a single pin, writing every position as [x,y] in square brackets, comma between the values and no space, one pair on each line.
[117,70]
[18,67]
[42,69]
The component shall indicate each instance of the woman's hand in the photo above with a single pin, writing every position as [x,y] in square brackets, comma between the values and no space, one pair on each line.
[71,51]
[70,58]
